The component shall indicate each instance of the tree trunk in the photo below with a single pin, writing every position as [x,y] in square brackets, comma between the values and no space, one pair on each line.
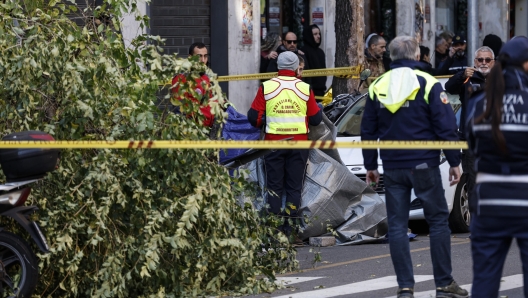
[349,26]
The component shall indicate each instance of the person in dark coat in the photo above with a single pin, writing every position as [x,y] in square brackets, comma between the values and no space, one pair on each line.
[457,57]
[268,50]
[465,83]
[315,57]
[493,42]
[425,59]
[289,43]
[497,136]
[469,80]
[409,104]
[441,50]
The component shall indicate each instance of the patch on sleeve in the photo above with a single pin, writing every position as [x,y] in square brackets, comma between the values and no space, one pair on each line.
[444,98]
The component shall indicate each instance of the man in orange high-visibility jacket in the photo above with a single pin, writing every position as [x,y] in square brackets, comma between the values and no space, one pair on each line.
[285,106]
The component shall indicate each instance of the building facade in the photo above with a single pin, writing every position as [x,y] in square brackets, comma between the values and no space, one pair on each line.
[233,29]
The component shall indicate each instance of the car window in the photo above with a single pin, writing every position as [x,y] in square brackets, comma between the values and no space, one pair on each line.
[350,123]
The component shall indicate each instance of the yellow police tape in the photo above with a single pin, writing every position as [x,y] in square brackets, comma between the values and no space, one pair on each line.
[233,144]
[342,72]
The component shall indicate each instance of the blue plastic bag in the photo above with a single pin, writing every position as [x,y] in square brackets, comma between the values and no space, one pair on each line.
[237,128]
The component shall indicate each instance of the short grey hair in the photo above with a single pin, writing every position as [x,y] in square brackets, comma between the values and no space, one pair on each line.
[404,47]
[485,49]
[439,40]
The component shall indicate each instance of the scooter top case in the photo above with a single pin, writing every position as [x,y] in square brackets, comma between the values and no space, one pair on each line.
[28,164]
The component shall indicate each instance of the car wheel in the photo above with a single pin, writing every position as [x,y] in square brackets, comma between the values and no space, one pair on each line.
[460,217]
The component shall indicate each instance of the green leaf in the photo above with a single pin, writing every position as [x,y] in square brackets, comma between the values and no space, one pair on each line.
[18,31]
[122,223]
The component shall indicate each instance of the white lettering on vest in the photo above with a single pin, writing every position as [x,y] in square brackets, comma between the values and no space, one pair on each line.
[509,116]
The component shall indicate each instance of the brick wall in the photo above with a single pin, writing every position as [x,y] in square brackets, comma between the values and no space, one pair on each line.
[181,23]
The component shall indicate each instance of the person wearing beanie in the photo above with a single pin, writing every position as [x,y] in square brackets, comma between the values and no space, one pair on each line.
[493,42]
[497,136]
[315,57]
[375,58]
[284,107]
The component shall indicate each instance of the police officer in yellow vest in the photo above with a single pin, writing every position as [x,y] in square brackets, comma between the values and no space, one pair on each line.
[285,106]
[407,103]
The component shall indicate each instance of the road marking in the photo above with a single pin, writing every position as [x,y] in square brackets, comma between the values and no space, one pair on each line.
[364,259]
[507,283]
[511,282]
[357,287]
[294,280]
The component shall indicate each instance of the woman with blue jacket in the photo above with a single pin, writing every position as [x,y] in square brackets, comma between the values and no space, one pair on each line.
[498,137]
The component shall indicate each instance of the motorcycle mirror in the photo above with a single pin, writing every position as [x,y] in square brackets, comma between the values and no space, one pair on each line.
[365,74]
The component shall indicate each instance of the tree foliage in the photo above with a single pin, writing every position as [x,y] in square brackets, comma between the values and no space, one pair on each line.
[125,223]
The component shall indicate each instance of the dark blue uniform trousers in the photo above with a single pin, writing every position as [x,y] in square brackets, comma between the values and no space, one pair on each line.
[285,171]
[491,238]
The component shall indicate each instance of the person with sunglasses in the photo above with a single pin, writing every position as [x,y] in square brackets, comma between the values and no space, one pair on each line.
[289,43]
[464,83]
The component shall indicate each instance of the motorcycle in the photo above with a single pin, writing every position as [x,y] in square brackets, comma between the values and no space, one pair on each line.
[342,101]
[18,263]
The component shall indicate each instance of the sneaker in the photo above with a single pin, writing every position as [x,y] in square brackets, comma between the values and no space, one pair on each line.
[405,293]
[453,290]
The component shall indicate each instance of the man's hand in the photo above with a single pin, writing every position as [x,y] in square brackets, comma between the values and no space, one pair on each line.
[300,52]
[452,52]
[272,55]
[454,175]
[468,72]
[373,178]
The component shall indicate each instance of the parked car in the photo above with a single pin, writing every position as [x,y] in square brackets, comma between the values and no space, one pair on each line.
[349,128]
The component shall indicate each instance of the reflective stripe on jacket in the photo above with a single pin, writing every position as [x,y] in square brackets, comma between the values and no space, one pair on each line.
[394,90]
[286,107]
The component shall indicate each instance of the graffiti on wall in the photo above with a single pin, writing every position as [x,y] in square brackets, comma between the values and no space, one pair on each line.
[247,22]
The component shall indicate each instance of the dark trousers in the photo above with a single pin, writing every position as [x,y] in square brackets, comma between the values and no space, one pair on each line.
[427,184]
[285,171]
[491,238]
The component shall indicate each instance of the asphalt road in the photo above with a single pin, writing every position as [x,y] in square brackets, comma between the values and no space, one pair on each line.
[366,271]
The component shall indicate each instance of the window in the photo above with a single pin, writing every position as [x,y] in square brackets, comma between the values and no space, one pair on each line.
[350,124]
[451,16]
[282,16]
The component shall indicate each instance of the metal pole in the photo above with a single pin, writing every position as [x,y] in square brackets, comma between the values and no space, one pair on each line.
[473,30]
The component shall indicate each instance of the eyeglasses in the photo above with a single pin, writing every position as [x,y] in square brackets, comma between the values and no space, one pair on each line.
[291,41]
[480,60]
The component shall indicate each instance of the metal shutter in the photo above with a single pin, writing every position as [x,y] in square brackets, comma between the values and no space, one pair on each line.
[181,23]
